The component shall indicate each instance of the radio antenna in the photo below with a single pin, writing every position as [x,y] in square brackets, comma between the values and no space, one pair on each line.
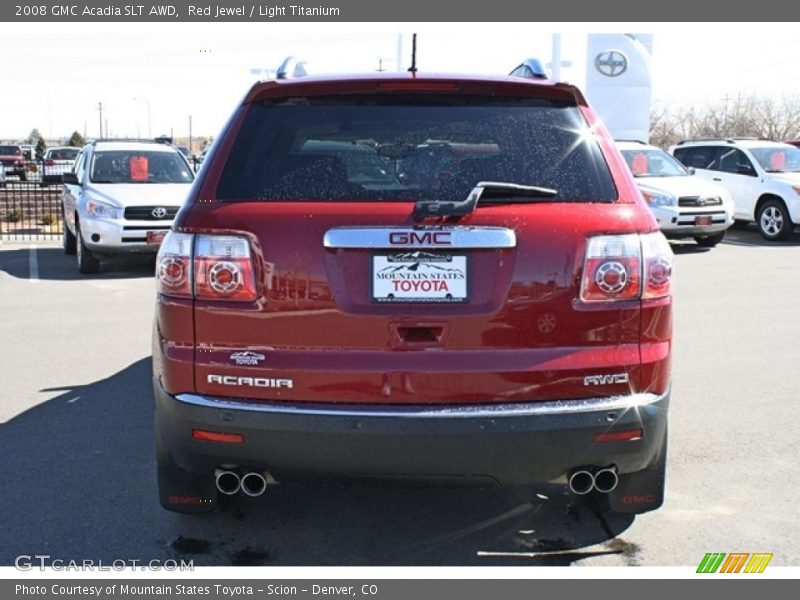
[413,67]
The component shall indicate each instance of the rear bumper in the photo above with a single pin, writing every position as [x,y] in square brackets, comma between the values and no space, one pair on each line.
[510,444]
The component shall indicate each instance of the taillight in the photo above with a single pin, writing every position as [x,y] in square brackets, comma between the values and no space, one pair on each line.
[174,265]
[223,268]
[210,267]
[626,267]
[49,162]
[658,258]
[612,270]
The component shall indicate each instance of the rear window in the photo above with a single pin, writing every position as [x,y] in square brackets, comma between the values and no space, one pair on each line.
[63,154]
[10,150]
[380,148]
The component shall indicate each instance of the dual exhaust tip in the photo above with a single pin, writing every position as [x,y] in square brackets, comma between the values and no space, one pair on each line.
[583,481]
[252,483]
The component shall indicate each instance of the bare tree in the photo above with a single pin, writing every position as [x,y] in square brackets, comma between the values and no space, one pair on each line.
[739,116]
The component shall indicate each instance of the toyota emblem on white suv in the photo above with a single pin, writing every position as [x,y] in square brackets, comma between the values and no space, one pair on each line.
[611,63]
[159,212]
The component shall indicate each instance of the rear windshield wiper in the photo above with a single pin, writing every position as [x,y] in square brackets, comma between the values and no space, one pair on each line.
[483,191]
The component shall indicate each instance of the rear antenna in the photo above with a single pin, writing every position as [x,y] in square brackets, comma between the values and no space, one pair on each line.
[413,67]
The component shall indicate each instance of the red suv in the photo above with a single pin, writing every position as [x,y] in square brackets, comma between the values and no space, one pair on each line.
[13,161]
[324,311]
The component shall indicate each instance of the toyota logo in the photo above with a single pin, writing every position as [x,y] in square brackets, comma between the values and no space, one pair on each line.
[611,63]
[159,213]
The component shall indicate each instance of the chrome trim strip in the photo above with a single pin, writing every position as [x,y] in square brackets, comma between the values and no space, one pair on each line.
[420,237]
[560,407]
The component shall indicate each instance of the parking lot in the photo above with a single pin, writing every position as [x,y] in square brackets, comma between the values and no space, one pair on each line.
[78,462]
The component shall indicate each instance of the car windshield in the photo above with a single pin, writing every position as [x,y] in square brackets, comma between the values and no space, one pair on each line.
[139,166]
[647,162]
[384,148]
[9,150]
[780,158]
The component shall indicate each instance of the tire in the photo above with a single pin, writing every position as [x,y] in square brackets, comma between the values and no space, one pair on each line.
[23,176]
[709,241]
[773,221]
[68,240]
[87,262]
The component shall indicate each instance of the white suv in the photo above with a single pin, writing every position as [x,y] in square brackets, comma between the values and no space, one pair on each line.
[121,197]
[684,206]
[763,178]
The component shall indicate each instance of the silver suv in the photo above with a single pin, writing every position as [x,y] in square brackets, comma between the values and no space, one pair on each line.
[121,197]
[763,178]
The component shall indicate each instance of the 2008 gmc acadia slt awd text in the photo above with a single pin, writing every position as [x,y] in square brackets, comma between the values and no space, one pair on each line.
[448,278]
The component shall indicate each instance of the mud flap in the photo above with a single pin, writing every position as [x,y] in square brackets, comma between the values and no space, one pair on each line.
[182,492]
[642,491]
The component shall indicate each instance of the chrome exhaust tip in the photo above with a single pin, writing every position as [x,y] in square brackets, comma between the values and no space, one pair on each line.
[228,482]
[254,483]
[606,480]
[581,482]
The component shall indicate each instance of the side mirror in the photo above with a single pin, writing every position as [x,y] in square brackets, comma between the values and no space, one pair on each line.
[691,170]
[70,179]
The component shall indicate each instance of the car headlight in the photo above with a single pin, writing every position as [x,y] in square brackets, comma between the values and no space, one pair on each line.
[657,198]
[102,210]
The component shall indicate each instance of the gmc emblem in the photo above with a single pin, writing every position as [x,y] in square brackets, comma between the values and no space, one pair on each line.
[410,238]
[646,499]
[186,500]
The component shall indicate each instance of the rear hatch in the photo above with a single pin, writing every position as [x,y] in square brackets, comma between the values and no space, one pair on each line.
[375,285]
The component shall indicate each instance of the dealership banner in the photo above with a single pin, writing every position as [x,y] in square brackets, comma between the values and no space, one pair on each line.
[406,11]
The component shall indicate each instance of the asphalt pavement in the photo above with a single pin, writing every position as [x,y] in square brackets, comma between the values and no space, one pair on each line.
[77,457]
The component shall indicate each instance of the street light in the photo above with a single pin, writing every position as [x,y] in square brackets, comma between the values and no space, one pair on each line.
[149,124]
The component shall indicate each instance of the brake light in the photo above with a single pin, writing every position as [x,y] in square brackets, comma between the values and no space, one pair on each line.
[418,86]
[49,162]
[174,265]
[210,267]
[223,268]
[626,267]
[612,269]
[658,259]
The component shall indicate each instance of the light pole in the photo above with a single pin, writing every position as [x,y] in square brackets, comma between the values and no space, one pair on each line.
[149,123]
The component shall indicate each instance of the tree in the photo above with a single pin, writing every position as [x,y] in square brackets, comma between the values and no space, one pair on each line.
[41,147]
[33,137]
[76,139]
[740,116]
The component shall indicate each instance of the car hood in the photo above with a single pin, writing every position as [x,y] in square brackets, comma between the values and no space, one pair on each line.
[682,186]
[140,194]
[789,178]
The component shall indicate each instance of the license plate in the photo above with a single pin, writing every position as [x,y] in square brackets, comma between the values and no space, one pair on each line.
[703,220]
[419,277]
[155,237]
